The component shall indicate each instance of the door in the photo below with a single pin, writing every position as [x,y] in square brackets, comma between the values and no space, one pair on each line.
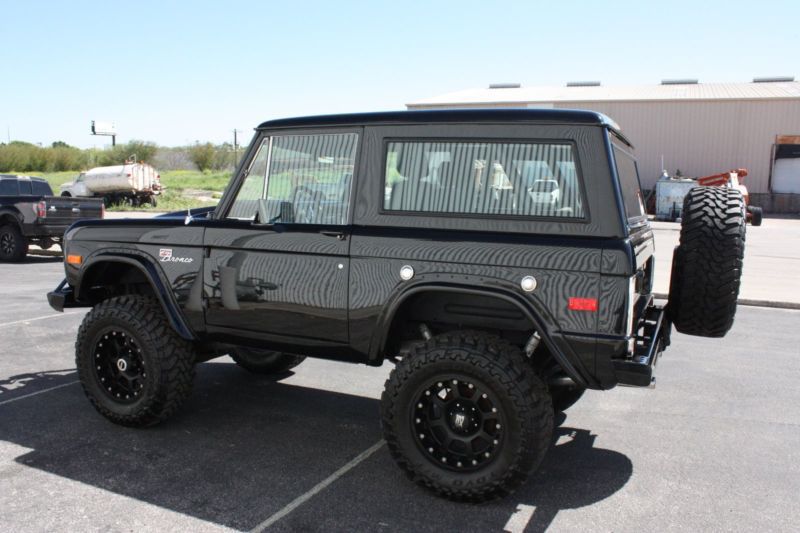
[278,252]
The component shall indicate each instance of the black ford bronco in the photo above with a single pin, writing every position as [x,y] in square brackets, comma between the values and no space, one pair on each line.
[501,259]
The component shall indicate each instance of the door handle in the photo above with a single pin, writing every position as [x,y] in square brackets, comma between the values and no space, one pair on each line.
[76,210]
[338,234]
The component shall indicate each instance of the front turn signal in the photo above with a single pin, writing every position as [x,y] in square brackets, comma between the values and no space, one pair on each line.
[74,259]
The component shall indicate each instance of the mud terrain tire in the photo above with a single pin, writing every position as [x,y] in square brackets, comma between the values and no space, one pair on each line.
[134,368]
[707,264]
[466,416]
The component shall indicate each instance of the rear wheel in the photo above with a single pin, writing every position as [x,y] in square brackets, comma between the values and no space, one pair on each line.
[264,361]
[756,215]
[13,244]
[466,416]
[134,368]
[707,264]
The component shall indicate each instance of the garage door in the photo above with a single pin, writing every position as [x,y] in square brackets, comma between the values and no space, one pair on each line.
[786,170]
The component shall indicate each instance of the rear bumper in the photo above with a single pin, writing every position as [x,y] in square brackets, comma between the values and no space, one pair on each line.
[42,231]
[654,336]
[62,297]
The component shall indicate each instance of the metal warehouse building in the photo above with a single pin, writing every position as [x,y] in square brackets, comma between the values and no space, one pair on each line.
[698,128]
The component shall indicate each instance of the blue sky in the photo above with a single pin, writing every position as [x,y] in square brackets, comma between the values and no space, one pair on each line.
[176,72]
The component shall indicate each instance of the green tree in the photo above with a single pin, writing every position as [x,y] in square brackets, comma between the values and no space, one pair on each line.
[203,155]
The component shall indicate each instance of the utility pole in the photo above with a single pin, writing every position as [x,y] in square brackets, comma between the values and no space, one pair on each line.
[235,147]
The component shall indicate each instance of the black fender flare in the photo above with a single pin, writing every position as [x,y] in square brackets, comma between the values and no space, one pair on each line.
[561,350]
[155,276]
[12,213]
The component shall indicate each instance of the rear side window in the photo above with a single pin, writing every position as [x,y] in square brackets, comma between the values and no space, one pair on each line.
[9,187]
[41,188]
[629,183]
[483,178]
[24,187]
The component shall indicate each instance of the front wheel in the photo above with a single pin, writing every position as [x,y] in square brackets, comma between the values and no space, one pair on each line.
[134,368]
[466,416]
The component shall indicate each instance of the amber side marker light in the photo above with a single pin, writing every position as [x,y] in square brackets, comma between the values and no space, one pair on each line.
[74,259]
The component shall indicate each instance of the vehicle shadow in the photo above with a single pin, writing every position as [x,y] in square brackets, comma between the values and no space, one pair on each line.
[31,382]
[244,446]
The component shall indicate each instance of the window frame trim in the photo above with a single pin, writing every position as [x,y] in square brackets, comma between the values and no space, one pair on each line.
[586,219]
[261,137]
[638,220]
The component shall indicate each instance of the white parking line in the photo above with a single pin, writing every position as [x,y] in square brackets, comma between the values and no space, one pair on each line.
[300,500]
[36,318]
[519,520]
[38,392]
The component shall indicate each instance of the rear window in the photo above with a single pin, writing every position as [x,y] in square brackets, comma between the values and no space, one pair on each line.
[41,188]
[629,183]
[483,178]
[9,187]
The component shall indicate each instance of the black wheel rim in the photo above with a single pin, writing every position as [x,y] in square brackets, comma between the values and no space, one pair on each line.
[119,366]
[6,243]
[458,424]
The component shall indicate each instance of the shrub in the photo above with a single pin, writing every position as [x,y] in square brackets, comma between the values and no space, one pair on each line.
[203,155]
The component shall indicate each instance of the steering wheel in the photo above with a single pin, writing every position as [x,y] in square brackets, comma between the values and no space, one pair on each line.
[306,206]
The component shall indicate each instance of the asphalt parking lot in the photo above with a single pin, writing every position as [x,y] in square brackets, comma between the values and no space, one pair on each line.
[716,446]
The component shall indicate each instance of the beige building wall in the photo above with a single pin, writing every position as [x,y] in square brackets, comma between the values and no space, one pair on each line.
[699,137]
[702,137]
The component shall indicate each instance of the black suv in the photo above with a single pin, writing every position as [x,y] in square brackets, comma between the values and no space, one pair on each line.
[501,259]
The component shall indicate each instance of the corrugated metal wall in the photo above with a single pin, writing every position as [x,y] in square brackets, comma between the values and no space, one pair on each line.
[702,137]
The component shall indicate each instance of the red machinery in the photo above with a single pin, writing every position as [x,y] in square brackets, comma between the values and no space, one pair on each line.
[731,179]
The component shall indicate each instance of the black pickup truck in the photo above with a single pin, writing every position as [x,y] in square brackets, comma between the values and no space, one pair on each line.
[30,214]
[501,259]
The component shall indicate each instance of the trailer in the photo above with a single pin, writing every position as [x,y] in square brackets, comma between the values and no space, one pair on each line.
[131,183]
[670,192]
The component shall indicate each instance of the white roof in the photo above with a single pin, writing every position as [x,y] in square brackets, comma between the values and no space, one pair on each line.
[699,91]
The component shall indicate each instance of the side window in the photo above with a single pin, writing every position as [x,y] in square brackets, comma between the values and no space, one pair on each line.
[299,179]
[629,184]
[41,188]
[25,187]
[309,178]
[8,187]
[485,178]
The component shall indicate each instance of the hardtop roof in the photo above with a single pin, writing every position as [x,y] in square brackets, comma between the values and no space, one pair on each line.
[545,116]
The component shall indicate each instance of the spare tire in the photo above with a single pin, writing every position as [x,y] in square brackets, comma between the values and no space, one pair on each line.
[707,264]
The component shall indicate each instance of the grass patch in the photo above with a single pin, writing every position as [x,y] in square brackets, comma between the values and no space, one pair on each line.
[175,181]
[194,179]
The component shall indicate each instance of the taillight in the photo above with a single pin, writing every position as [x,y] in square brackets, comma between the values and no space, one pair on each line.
[103,210]
[582,304]
[41,209]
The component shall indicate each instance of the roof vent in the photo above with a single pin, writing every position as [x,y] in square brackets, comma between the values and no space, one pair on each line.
[583,84]
[687,81]
[505,85]
[774,79]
